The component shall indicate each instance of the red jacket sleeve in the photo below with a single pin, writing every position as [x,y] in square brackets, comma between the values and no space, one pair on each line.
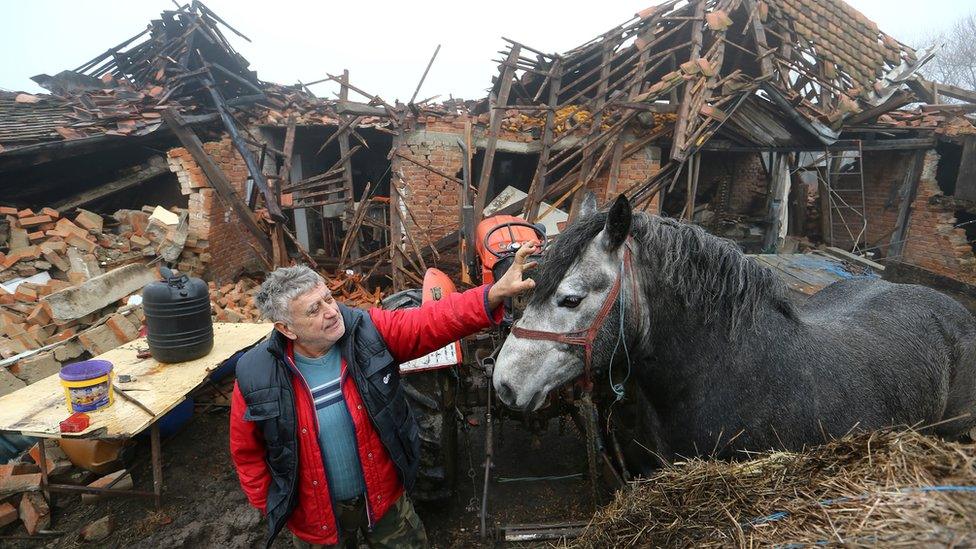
[413,333]
[248,453]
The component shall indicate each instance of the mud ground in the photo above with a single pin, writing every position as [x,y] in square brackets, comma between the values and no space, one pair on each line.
[203,505]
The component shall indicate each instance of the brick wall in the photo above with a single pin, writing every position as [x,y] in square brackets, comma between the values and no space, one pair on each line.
[432,199]
[934,243]
[739,180]
[884,173]
[634,170]
[214,226]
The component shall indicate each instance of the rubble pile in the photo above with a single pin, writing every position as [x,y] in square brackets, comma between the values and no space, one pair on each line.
[45,253]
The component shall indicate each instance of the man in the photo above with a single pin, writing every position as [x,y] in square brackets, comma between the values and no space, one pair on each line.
[320,430]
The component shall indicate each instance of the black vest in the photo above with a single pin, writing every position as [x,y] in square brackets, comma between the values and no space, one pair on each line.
[264,379]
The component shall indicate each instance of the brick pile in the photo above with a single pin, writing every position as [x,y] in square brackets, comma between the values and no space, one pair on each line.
[20,486]
[73,249]
[235,302]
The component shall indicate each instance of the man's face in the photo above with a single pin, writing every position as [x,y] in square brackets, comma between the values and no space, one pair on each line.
[315,320]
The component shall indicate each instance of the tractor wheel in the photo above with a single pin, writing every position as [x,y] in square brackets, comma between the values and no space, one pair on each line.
[431,395]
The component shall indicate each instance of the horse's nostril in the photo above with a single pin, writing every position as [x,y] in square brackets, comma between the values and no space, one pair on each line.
[505,392]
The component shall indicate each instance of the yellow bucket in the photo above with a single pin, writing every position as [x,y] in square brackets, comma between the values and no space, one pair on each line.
[88,385]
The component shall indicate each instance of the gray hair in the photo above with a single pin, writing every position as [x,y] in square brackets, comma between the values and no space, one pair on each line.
[281,287]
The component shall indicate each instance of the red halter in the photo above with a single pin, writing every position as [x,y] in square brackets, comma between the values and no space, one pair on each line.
[585,338]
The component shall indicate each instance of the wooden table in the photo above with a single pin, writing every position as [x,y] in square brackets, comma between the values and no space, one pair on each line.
[37,409]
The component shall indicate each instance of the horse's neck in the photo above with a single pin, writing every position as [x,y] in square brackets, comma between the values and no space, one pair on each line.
[685,342]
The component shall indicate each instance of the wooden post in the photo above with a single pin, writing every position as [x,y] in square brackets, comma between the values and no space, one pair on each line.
[217,178]
[494,125]
[531,208]
[908,193]
[684,109]
[759,36]
[465,211]
[601,99]
[344,150]
[241,145]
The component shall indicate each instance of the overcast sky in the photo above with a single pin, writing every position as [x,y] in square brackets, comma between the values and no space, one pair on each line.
[384,44]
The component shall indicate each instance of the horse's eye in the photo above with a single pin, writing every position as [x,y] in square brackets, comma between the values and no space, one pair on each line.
[570,301]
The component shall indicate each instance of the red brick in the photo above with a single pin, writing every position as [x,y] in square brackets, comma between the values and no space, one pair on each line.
[89,220]
[8,514]
[34,220]
[50,212]
[7,210]
[81,243]
[35,512]
[25,213]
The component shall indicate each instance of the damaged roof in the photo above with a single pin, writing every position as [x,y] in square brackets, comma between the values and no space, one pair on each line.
[175,62]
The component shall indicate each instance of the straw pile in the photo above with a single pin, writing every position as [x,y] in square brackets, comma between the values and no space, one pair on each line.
[891,488]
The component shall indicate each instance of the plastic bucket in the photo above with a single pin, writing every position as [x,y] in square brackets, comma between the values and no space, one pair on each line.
[88,385]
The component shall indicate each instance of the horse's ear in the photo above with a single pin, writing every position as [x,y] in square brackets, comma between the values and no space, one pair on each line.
[588,207]
[618,223]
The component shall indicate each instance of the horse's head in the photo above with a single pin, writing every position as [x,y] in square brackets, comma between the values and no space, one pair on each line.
[576,282]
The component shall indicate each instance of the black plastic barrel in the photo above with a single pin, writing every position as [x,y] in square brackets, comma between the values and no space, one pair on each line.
[178,323]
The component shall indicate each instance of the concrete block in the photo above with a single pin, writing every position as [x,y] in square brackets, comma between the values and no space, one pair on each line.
[99,292]
[11,484]
[35,368]
[9,382]
[69,351]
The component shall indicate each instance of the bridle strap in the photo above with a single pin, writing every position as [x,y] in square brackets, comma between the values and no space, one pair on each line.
[585,338]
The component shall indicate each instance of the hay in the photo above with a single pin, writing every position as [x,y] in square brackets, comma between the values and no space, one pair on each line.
[885,488]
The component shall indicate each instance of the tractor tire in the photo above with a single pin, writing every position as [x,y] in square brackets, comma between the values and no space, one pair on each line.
[431,396]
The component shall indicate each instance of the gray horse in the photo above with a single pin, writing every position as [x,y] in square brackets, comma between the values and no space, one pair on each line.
[724,359]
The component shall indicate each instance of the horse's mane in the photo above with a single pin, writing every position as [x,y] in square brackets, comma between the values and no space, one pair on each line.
[707,272]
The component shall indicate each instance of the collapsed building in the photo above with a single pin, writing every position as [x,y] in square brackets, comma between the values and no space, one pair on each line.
[781,124]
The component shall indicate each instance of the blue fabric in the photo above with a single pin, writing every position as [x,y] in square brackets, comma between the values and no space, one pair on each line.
[337,435]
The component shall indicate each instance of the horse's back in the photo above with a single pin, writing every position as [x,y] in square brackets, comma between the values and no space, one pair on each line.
[915,335]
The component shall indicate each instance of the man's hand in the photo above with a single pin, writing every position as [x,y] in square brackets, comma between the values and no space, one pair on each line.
[511,283]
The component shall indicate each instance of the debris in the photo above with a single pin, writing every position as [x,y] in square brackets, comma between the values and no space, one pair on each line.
[35,512]
[92,295]
[120,480]
[8,514]
[98,530]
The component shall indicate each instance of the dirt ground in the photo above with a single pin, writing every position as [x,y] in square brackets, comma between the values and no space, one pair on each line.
[203,505]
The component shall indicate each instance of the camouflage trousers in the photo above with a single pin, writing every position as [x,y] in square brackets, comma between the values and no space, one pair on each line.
[399,527]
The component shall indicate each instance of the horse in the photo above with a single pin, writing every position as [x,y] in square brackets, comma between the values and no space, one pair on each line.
[725,361]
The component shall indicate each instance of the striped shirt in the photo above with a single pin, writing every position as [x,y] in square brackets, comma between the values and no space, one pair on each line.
[337,436]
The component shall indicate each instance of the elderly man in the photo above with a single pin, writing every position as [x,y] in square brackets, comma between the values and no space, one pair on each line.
[320,430]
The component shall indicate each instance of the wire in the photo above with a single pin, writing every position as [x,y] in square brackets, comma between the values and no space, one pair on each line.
[620,388]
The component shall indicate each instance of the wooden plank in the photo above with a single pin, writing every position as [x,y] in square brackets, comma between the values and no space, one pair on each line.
[684,108]
[216,176]
[240,144]
[494,125]
[847,256]
[588,171]
[344,146]
[966,180]
[908,193]
[759,36]
[154,168]
[534,197]
[37,409]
